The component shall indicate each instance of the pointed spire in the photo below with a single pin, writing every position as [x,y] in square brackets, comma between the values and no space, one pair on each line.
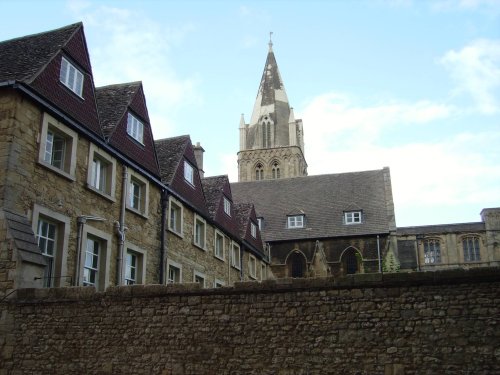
[270,41]
[242,121]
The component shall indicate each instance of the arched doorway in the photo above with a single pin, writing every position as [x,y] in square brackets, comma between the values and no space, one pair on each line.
[296,264]
[350,261]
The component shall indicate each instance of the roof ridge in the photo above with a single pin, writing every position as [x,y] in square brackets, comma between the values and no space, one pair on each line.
[80,23]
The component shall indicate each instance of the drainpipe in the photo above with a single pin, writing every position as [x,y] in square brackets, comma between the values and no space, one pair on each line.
[163,236]
[120,228]
[241,262]
[378,252]
[229,258]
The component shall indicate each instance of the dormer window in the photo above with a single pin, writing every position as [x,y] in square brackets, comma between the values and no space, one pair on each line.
[260,222]
[227,206]
[71,77]
[188,173]
[135,128]
[353,217]
[296,221]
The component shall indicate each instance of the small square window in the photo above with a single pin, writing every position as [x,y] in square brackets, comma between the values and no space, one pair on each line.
[188,173]
[199,278]
[174,273]
[135,128]
[71,77]
[134,266]
[58,147]
[352,217]
[296,221]
[227,206]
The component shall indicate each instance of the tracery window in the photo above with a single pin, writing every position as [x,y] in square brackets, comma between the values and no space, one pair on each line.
[432,251]
[259,172]
[276,170]
[471,249]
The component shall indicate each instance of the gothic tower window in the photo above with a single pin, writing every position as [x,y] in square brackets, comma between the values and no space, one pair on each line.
[276,170]
[259,172]
[266,132]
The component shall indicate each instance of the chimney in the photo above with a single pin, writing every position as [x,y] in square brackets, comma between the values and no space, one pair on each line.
[198,154]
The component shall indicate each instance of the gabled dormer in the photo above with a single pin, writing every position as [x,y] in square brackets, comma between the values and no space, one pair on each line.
[179,170]
[248,228]
[295,218]
[220,203]
[54,65]
[125,123]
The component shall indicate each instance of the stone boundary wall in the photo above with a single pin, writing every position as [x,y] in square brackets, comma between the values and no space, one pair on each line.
[443,322]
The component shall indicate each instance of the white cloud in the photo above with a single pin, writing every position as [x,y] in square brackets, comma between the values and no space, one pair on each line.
[476,70]
[128,46]
[464,5]
[445,171]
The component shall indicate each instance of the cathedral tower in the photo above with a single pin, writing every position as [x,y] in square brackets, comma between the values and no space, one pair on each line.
[272,144]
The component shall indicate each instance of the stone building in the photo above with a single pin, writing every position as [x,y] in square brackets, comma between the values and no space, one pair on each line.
[272,144]
[83,198]
[337,224]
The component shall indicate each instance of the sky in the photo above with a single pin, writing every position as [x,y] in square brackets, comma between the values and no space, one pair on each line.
[411,85]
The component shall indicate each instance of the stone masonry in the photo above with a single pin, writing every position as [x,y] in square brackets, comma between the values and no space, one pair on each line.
[444,322]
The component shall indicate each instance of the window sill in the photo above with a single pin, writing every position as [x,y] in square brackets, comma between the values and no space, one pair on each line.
[137,212]
[235,267]
[200,247]
[178,234]
[100,193]
[219,257]
[58,171]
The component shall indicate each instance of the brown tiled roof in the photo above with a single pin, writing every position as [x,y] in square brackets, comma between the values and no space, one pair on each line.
[112,103]
[22,58]
[442,228]
[213,189]
[242,214]
[170,152]
[323,199]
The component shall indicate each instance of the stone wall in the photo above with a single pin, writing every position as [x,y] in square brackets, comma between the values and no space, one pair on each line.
[418,323]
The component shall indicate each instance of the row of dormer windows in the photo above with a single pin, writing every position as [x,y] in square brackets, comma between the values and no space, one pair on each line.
[298,221]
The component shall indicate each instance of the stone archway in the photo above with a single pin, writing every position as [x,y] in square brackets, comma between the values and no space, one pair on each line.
[351,259]
[297,265]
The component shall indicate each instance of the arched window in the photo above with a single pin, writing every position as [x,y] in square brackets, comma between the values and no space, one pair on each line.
[296,265]
[259,172]
[266,132]
[432,251]
[350,261]
[471,249]
[276,170]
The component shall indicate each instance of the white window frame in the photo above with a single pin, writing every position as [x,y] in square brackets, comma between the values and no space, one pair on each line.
[60,271]
[217,254]
[135,128]
[219,283]
[140,266]
[178,266]
[353,217]
[108,191]
[252,266]
[253,229]
[260,222]
[201,275]
[235,255]
[104,256]
[201,243]
[227,206]
[71,77]
[51,125]
[188,173]
[136,178]
[263,271]
[174,204]
[295,221]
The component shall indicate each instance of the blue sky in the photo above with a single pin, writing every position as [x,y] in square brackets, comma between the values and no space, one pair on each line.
[413,85]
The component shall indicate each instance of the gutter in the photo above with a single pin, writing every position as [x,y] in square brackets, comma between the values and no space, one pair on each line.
[163,235]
